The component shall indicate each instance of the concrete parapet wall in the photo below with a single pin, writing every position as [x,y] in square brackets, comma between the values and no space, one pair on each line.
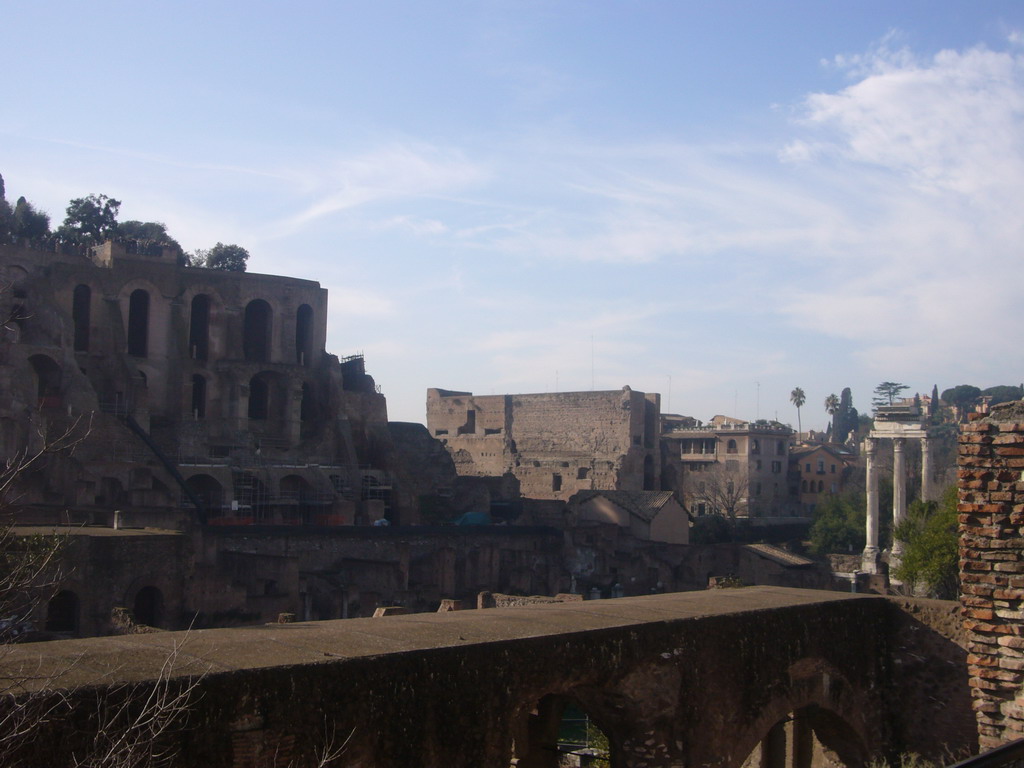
[681,679]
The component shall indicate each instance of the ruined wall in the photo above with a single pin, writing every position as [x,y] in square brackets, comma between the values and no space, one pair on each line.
[991,495]
[696,679]
[555,444]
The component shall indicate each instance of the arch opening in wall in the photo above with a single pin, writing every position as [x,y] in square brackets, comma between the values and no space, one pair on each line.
[304,335]
[148,607]
[560,730]
[257,332]
[298,497]
[198,397]
[209,491]
[49,380]
[81,310]
[62,613]
[809,736]
[252,496]
[138,323]
[199,327]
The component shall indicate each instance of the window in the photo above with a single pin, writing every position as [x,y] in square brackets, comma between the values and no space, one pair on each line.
[757,465]
[199,328]
[256,336]
[755,446]
[556,482]
[80,310]
[731,447]
[807,467]
[304,335]
[833,470]
[780,448]
[803,486]
[582,472]
[821,466]
[776,467]
[138,323]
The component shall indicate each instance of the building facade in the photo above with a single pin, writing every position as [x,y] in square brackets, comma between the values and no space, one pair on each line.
[554,444]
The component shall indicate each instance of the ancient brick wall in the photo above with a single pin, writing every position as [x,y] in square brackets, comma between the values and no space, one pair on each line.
[991,496]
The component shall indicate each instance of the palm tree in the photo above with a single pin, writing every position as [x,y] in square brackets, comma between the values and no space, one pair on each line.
[797,398]
[832,408]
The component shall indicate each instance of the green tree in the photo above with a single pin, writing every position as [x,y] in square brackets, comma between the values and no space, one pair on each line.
[798,398]
[963,397]
[832,409]
[90,220]
[886,392]
[930,539]
[232,258]
[153,231]
[6,215]
[838,525]
[1003,394]
[27,223]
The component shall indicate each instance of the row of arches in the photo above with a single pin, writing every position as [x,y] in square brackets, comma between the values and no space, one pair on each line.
[257,330]
[63,611]
[269,395]
[251,495]
[561,730]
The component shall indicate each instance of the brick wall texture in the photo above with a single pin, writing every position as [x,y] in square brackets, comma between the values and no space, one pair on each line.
[991,516]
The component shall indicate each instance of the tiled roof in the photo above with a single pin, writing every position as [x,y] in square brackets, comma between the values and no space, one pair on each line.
[643,504]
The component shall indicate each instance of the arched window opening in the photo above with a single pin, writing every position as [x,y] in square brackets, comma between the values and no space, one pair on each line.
[304,335]
[198,397]
[149,607]
[730,447]
[259,398]
[138,323]
[560,729]
[297,496]
[252,497]
[199,328]
[209,491]
[49,378]
[80,314]
[256,339]
[62,613]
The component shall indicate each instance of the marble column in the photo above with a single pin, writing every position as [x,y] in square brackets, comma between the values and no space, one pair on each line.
[899,493]
[869,560]
[927,483]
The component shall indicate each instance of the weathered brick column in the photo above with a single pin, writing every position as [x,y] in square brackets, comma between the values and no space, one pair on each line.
[991,514]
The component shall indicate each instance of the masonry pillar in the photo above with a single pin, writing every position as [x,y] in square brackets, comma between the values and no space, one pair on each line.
[899,495]
[991,513]
[927,484]
[869,560]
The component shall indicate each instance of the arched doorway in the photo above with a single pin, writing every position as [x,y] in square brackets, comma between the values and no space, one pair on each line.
[209,491]
[148,608]
[199,327]
[62,613]
[558,730]
[257,334]
[138,323]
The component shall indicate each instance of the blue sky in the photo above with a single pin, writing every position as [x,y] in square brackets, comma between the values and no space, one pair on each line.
[718,201]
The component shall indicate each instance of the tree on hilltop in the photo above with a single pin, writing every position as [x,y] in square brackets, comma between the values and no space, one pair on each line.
[152,231]
[27,223]
[832,409]
[232,258]
[887,392]
[90,220]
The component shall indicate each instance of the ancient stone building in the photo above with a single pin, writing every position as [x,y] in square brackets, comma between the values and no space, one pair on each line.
[554,444]
[730,466]
[201,395]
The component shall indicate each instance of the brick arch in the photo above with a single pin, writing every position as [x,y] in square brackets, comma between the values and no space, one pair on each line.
[823,698]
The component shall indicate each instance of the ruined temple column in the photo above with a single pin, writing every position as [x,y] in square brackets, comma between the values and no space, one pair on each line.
[899,494]
[927,485]
[869,560]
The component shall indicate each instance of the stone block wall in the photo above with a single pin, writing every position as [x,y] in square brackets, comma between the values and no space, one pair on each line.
[991,515]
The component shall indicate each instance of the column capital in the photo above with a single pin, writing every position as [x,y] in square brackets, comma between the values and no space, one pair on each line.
[898,443]
[870,444]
